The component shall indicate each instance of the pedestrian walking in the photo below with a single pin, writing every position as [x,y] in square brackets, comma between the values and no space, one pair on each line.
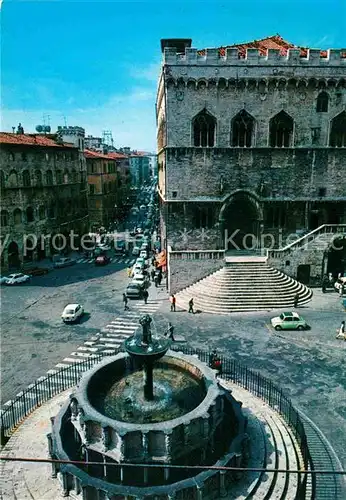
[341,331]
[129,272]
[156,281]
[342,290]
[191,306]
[212,357]
[145,296]
[170,331]
[159,278]
[325,282]
[125,300]
[152,274]
[296,300]
[173,301]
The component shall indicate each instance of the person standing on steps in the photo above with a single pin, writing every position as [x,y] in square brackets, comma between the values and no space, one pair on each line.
[125,300]
[296,300]
[145,296]
[191,306]
[173,301]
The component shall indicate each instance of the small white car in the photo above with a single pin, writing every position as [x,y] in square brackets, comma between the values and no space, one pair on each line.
[339,282]
[137,269]
[15,279]
[143,254]
[72,313]
[104,246]
[141,280]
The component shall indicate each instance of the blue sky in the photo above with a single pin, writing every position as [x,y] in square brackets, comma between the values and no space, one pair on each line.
[96,64]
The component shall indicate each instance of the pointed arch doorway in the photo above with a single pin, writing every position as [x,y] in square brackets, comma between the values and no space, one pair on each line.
[241,219]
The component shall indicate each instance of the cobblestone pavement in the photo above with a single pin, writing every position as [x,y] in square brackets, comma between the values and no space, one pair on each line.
[25,480]
[309,366]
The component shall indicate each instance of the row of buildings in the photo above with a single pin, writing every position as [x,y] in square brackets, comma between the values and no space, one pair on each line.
[52,185]
[251,139]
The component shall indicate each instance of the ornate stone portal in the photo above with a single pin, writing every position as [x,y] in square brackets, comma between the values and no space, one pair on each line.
[182,417]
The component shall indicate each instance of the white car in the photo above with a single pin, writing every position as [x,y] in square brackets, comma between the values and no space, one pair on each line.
[141,280]
[72,312]
[137,269]
[339,282]
[104,246]
[143,254]
[15,279]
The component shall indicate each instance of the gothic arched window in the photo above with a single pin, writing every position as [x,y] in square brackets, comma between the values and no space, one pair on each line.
[38,177]
[26,178]
[17,216]
[30,214]
[322,102]
[337,138]
[49,177]
[281,130]
[204,127]
[242,130]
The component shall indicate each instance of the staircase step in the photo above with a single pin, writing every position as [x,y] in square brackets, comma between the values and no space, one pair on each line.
[244,286]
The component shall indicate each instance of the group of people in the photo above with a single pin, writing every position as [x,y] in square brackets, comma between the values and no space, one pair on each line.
[173,304]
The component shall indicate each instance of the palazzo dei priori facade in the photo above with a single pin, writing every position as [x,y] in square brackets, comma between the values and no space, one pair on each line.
[251,138]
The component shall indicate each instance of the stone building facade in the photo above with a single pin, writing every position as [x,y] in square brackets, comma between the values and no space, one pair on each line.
[140,168]
[109,183]
[43,197]
[251,140]
[102,189]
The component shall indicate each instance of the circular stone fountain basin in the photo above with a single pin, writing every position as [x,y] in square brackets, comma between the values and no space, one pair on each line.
[176,392]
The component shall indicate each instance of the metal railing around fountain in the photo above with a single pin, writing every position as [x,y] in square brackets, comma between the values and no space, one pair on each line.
[15,411]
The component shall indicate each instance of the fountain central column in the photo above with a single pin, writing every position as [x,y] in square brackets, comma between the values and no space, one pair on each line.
[147,350]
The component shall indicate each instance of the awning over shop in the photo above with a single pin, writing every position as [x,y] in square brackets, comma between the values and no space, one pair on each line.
[161,259]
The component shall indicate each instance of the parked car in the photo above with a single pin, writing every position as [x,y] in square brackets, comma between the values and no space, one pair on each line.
[136,251]
[339,282]
[134,291]
[72,313]
[104,246]
[15,279]
[137,269]
[142,262]
[139,230]
[3,280]
[37,271]
[102,260]
[141,280]
[64,262]
[289,321]
[143,254]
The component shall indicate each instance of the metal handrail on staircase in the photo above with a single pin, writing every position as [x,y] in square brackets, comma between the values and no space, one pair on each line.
[300,242]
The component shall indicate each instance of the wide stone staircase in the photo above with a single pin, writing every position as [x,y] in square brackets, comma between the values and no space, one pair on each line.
[244,284]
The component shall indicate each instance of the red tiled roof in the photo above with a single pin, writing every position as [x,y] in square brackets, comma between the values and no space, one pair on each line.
[31,140]
[117,156]
[271,42]
[95,154]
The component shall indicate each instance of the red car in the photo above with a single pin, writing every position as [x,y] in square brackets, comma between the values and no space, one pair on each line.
[102,260]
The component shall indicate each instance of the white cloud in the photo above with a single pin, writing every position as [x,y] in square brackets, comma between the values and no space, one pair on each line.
[150,73]
[130,117]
